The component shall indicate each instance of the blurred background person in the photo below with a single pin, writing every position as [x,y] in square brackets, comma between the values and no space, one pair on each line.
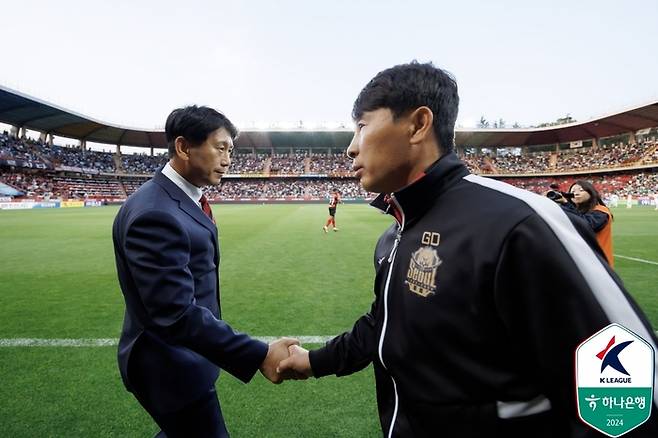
[333,203]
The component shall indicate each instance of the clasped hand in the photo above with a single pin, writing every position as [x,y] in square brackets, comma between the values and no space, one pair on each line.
[286,360]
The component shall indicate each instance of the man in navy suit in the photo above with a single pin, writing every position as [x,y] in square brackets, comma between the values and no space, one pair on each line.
[173,341]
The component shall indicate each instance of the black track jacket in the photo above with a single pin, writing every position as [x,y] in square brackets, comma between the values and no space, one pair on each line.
[483,292]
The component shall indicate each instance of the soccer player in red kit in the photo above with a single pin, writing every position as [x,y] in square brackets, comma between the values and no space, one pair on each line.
[331,220]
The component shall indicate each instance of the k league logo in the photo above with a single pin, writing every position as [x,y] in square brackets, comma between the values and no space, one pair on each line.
[615,373]
[610,357]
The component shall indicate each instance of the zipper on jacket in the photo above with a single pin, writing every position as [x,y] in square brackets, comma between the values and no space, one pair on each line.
[395,244]
[391,260]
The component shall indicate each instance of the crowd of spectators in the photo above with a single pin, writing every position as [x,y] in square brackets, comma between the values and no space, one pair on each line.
[651,157]
[87,187]
[613,155]
[30,184]
[248,163]
[43,185]
[287,164]
[13,149]
[527,163]
[335,165]
[294,188]
[142,164]
[46,185]
[642,184]
[330,164]
[74,157]
[241,163]
[472,161]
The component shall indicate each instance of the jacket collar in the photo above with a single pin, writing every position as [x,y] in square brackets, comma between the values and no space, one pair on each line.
[185,203]
[187,187]
[412,201]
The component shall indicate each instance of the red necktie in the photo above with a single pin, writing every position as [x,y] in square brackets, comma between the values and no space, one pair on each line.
[206,207]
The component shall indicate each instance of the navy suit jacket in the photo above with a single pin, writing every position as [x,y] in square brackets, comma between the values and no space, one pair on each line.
[173,341]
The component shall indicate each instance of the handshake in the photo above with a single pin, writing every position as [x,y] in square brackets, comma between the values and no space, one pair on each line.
[286,360]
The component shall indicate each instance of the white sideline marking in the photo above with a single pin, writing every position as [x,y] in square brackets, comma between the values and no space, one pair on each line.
[111,342]
[302,339]
[636,260]
[31,342]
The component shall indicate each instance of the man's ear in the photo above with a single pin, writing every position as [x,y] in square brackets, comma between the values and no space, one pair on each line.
[420,125]
[182,148]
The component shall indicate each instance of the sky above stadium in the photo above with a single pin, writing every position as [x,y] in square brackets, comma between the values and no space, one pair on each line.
[131,62]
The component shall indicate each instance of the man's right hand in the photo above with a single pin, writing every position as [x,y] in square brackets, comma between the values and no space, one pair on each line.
[277,351]
[297,366]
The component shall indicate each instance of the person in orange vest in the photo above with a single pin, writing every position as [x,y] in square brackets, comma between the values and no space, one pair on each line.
[591,207]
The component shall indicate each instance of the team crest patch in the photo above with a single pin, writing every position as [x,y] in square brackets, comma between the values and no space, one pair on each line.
[421,276]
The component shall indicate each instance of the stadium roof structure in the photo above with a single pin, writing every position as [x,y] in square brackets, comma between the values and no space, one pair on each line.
[24,111]
[623,122]
[20,110]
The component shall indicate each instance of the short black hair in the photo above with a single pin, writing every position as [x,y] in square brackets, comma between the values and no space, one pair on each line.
[405,87]
[195,123]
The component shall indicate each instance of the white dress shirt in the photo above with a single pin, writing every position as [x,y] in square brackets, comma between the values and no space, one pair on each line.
[187,187]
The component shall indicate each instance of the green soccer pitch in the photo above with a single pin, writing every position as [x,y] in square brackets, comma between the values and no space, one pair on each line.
[280,276]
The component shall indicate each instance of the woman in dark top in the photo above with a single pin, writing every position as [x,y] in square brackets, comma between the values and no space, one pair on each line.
[587,203]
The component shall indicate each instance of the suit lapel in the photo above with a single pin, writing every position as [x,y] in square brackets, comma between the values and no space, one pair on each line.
[185,203]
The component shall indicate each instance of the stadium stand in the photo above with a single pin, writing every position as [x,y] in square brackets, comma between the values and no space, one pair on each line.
[260,176]
[274,188]
[141,164]
[14,149]
[617,152]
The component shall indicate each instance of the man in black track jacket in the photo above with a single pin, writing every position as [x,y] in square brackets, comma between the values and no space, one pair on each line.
[483,291]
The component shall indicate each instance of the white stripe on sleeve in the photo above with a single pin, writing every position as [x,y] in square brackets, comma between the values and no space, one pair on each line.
[610,297]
